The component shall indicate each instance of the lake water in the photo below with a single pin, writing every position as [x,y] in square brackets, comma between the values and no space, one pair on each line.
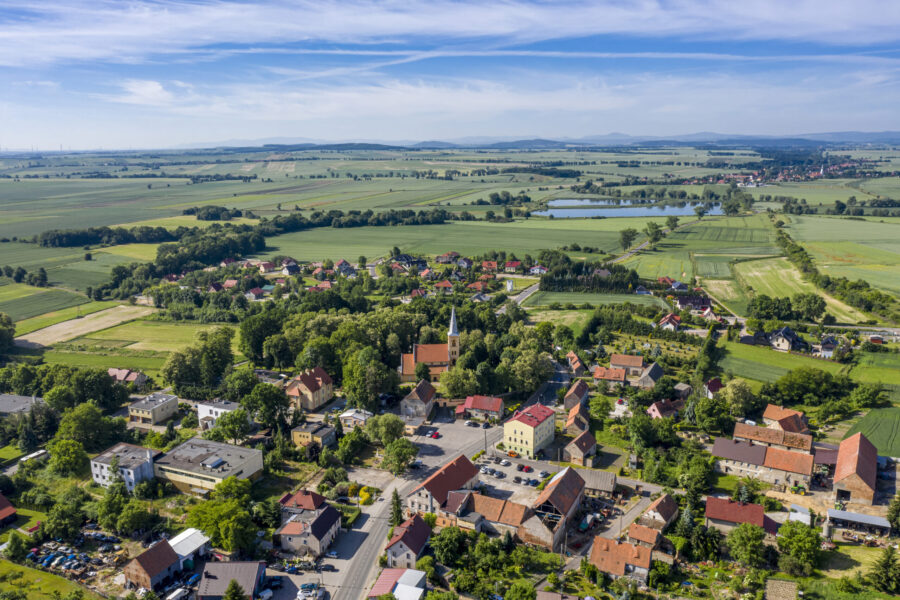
[626,211]
[590,202]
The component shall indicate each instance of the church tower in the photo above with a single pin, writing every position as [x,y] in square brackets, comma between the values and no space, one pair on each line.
[453,339]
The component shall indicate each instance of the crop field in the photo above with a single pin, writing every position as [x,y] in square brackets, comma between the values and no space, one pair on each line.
[470,237]
[850,248]
[22,301]
[882,427]
[777,277]
[58,316]
[874,367]
[767,365]
[546,298]
[156,336]
[79,326]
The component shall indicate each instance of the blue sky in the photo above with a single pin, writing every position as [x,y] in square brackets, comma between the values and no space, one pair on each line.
[138,74]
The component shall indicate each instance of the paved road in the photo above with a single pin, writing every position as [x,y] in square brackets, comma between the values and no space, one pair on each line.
[366,543]
[520,297]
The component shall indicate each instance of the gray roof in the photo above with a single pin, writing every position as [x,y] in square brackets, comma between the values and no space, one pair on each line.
[206,456]
[12,403]
[604,481]
[843,515]
[130,456]
[739,451]
[324,522]
[221,404]
[314,427]
[217,576]
[153,400]
[654,372]
[453,329]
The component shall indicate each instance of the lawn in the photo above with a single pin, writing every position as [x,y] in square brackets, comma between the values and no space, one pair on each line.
[10,453]
[777,277]
[520,283]
[882,427]
[577,298]
[150,365]
[22,301]
[844,560]
[576,319]
[58,316]
[877,368]
[37,584]
[767,365]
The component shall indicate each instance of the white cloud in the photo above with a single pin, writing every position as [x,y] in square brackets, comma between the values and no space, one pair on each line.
[111,30]
[143,92]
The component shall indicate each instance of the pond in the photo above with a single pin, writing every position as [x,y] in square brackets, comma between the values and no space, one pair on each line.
[626,211]
[593,202]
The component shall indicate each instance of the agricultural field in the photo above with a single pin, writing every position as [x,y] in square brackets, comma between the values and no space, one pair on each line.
[546,298]
[22,301]
[58,316]
[766,365]
[523,236]
[856,249]
[777,277]
[882,427]
[148,335]
[705,248]
[77,326]
[575,319]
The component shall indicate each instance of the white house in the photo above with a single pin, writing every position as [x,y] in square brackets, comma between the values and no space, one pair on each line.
[135,465]
[208,412]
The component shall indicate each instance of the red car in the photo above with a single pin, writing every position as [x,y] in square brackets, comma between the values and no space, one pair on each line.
[435,435]
[527,469]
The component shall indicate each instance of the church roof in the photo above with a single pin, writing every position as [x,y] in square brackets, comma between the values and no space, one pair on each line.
[454,331]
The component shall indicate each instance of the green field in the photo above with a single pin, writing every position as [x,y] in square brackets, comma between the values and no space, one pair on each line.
[140,344]
[469,238]
[851,248]
[767,365]
[877,368]
[777,277]
[37,584]
[22,301]
[146,335]
[576,319]
[547,298]
[58,316]
[882,427]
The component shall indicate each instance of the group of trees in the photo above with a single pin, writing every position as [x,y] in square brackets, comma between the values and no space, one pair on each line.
[200,366]
[20,275]
[579,276]
[808,307]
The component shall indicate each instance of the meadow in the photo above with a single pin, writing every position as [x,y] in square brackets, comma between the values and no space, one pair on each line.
[766,365]
[546,298]
[576,319]
[22,301]
[37,585]
[777,277]
[26,326]
[856,249]
[148,335]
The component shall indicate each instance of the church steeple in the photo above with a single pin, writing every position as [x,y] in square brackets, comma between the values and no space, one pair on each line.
[453,338]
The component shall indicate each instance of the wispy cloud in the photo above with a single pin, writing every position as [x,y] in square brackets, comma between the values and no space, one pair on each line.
[53,31]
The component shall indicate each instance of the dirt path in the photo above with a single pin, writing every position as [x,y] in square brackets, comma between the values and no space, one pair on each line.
[74,328]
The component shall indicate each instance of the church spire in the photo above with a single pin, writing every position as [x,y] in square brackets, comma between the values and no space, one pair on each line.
[453,332]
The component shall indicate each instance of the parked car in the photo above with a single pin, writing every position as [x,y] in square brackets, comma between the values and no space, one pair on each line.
[512,454]
[517,479]
[505,463]
[499,474]
[332,554]
[527,469]
[275,583]
[328,567]
[471,424]
[435,435]
[543,474]
[485,425]
[520,467]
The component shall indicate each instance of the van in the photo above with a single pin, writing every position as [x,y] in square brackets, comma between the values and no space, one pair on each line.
[266,595]
[177,594]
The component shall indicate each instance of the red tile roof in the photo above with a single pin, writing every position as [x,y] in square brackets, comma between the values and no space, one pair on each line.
[714,385]
[609,374]
[484,403]
[423,392]
[857,456]
[6,508]
[533,415]
[304,499]
[386,582]
[665,505]
[584,443]
[790,461]
[157,558]
[431,353]
[413,532]
[643,534]
[452,476]
[575,412]
[611,557]
[793,424]
[562,491]
[497,510]
[626,360]
[578,389]
[725,509]
[767,435]
[776,413]
[313,380]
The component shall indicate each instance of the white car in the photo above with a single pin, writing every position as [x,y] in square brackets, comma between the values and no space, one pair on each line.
[505,463]
[332,554]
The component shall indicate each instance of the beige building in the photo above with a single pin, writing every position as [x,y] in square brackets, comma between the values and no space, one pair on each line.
[311,389]
[154,409]
[311,535]
[198,465]
[529,430]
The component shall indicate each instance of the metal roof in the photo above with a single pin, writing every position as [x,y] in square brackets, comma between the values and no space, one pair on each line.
[843,515]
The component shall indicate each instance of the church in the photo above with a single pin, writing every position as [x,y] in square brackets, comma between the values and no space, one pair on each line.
[438,357]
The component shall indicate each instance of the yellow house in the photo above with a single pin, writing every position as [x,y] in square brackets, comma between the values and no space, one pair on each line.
[529,430]
[311,389]
[155,408]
